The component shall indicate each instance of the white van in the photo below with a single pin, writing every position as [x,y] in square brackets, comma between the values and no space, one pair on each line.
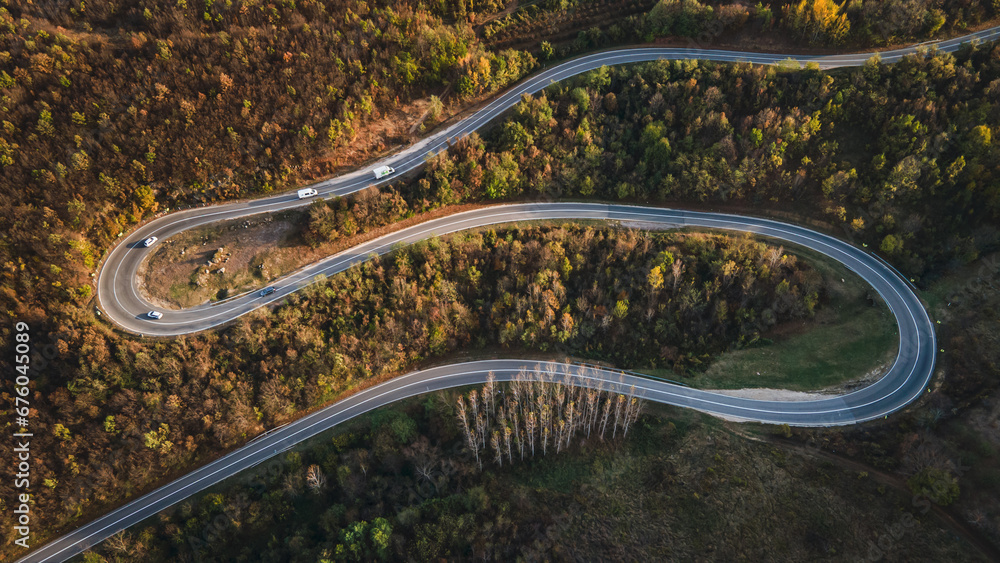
[382,172]
[307,192]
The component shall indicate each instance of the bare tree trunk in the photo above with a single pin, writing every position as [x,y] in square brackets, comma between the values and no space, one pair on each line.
[619,403]
[591,399]
[677,270]
[463,416]
[540,403]
[607,413]
[474,403]
[570,421]
[560,400]
[560,431]
[546,427]
[516,393]
[484,406]
[498,453]
[489,395]
[474,446]
[515,389]
[518,435]
[529,427]
[481,428]
[635,405]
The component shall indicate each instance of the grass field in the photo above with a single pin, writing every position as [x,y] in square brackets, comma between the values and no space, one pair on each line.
[849,338]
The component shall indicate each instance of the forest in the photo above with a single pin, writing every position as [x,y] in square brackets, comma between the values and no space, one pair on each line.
[400,483]
[101,131]
[897,157]
[134,409]
[184,106]
[111,114]
[557,28]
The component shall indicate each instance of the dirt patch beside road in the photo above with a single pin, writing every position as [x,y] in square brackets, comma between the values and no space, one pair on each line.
[232,257]
[223,259]
[764,394]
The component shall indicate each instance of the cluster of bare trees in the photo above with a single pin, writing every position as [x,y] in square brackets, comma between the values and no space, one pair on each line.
[538,412]
[315,478]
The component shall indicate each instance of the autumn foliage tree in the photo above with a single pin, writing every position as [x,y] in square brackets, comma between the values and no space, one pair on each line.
[818,20]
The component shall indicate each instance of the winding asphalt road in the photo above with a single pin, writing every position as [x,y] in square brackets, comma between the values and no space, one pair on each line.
[903,383]
[123,305]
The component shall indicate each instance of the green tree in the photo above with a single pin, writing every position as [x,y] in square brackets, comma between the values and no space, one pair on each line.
[621,309]
[514,137]
[891,244]
[406,68]
[381,534]
[434,108]
[938,485]
[502,177]
[352,542]
[581,98]
[547,50]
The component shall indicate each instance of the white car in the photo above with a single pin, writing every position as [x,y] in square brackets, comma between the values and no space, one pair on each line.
[154,315]
[149,242]
[307,192]
[383,171]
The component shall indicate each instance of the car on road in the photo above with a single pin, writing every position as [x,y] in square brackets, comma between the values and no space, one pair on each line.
[383,171]
[307,192]
[149,242]
[268,291]
[154,315]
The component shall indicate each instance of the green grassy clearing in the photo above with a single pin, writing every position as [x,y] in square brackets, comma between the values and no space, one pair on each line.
[847,339]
